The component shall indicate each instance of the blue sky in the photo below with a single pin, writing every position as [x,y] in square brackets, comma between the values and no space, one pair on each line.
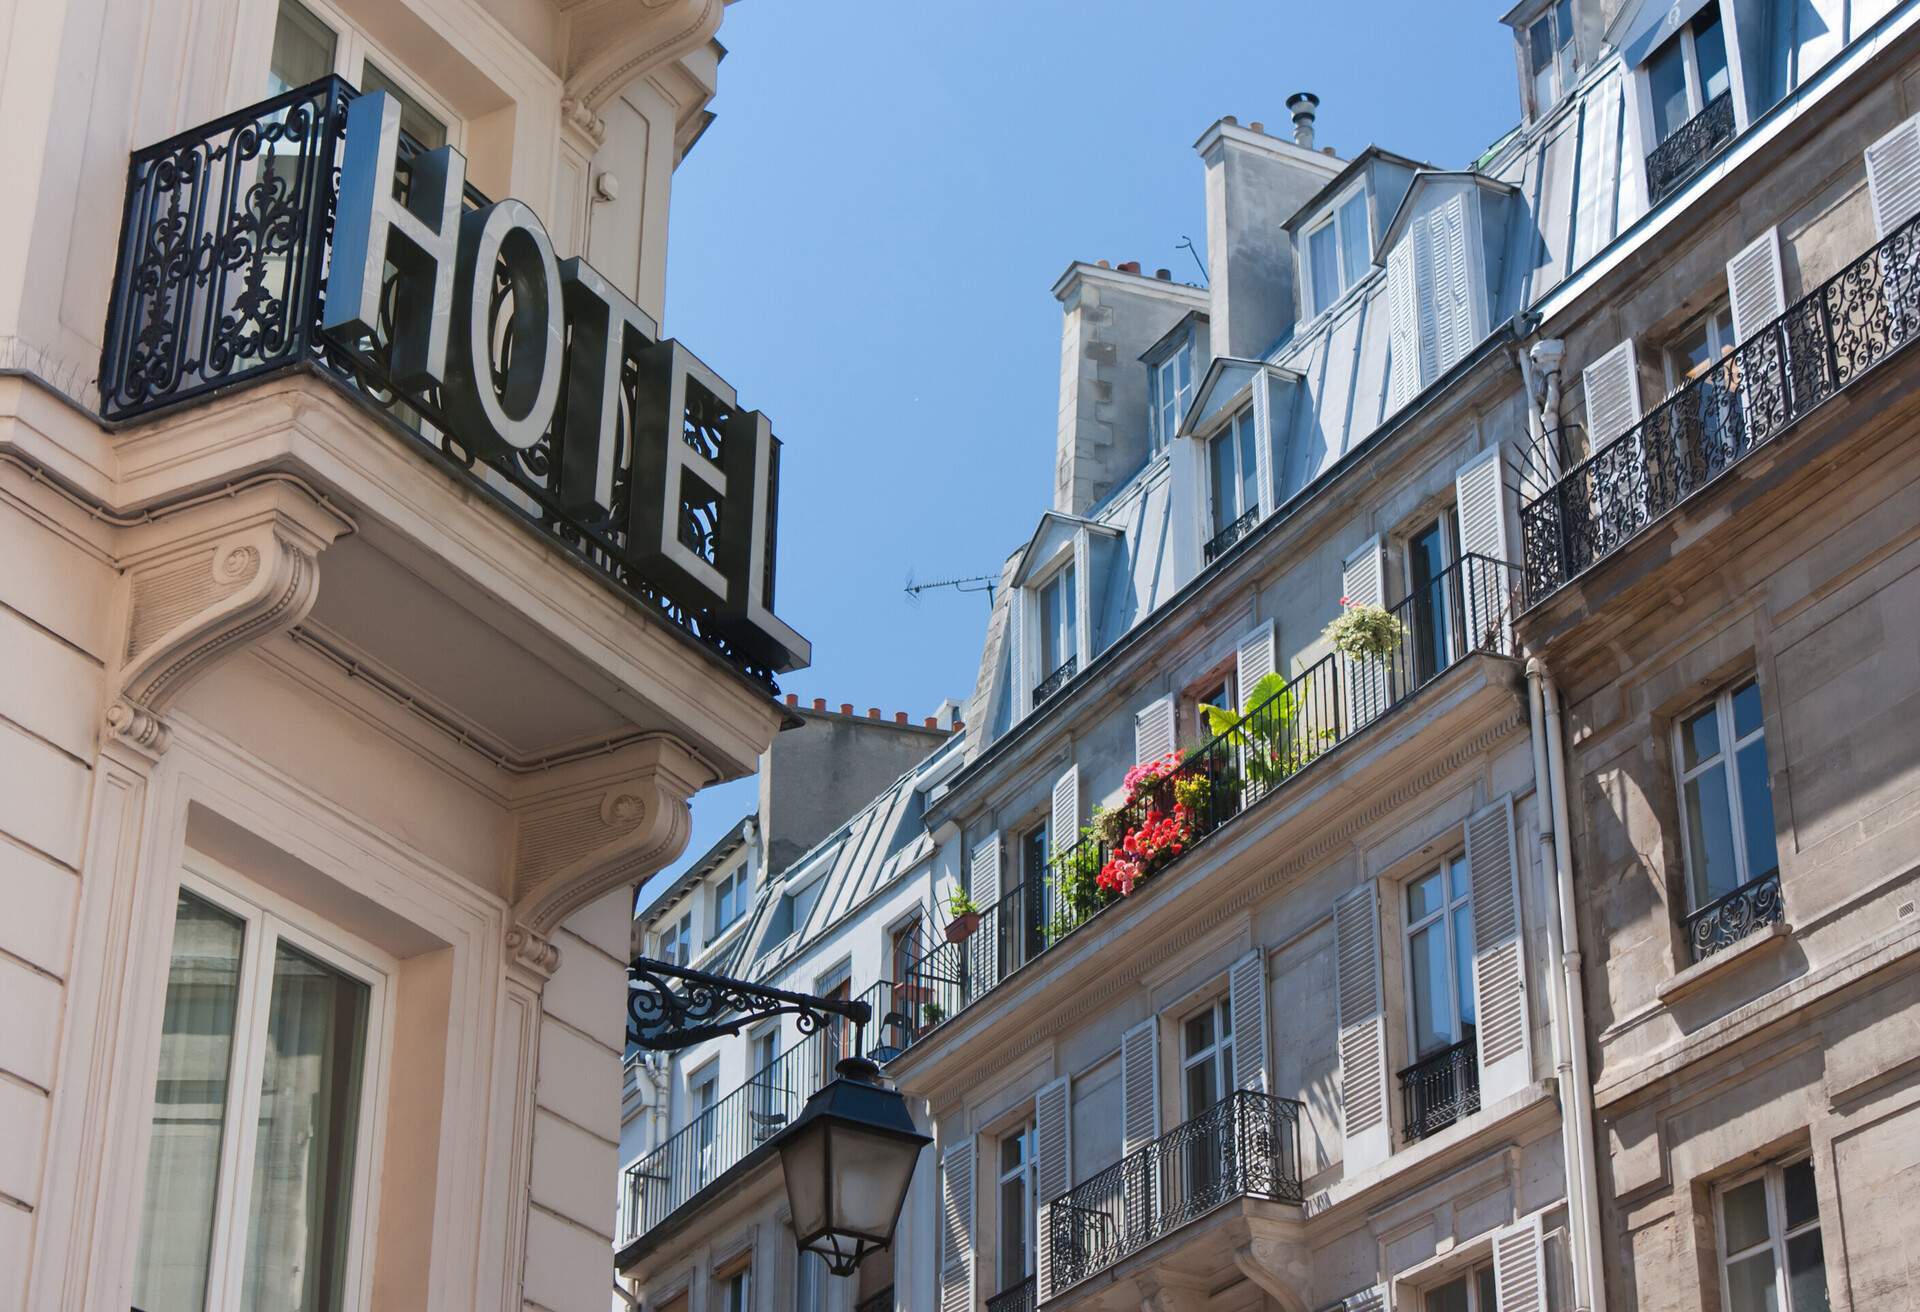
[864,240]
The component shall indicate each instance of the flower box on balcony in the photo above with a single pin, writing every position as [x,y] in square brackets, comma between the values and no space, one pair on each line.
[963,926]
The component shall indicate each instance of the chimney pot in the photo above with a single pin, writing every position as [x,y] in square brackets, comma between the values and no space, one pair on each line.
[933,722]
[793,699]
[1164,275]
[819,703]
[1302,104]
[959,723]
[1228,118]
[1105,265]
[873,712]
[899,717]
[846,708]
[1131,266]
[1258,126]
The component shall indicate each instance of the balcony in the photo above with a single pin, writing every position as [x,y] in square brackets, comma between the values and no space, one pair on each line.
[1440,1089]
[1054,682]
[1015,1298]
[1247,1146]
[1217,544]
[1726,920]
[1461,612]
[1821,347]
[1689,147]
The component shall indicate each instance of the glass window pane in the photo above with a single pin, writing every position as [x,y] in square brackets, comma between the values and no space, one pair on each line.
[309,1121]
[1322,258]
[1226,488]
[1431,1001]
[1183,361]
[1450,1297]
[1806,1273]
[1013,1230]
[1746,710]
[1563,22]
[1700,738]
[1463,963]
[415,119]
[1460,877]
[1693,352]
[1803,1204]
[1356,252]
[1249,461]
[1667,82]
[1200,1033]
[1203,1087]
[1489,1292]
[1049,630]
[1068,615]
[1746,1215]
[303,49]
[1425,896]
[189,1107]
[1710,49]
[1710,832]
[1750,1284]
[1540,43]
[1756,810]
[1226,1021]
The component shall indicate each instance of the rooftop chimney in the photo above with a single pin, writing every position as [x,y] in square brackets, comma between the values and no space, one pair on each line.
[1302,104]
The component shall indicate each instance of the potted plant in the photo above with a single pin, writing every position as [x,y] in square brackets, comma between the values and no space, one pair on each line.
[932,1014]
[1365,632]
[964,916]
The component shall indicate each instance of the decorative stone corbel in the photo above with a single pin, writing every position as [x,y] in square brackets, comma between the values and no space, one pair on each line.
[1277,1269]
[579,118]
[206,583]
[614,42]
[1158,1293]
[580,843]
[532,951]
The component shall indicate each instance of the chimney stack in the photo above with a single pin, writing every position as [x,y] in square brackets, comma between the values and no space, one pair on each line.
[1302,104]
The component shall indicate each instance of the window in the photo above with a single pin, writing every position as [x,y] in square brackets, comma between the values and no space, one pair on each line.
[703,1092]
[1770,1252]
[1219,695]
[311,41]
[1472,1292]
[1206,1061]
[833,1034]
[811,1296]
[735,1293]
[1034,847]
[258,1159]
[1058,641]
[1552,58]
[1172,393]
[1339,252]
[729,899]
[1440,1005]
[1688,73]
[769,1102]
[905,948]
[1434,593]
[1016,1206]
[1726,800]
[1231,458]
[1699,346]
[676,941]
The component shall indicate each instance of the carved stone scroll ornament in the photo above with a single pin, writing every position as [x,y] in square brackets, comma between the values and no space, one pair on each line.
[204,585]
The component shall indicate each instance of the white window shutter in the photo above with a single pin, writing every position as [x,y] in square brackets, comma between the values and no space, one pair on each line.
[1264,490]
[1363,582]
[1247,992]
[1366,1121]
[1520,1267]
[956,1228]
[1480,501]
[1140,1085]
[1893,177]
[1499,954]
[1367,1300]
[1153,730]
[1756,286]
[1403,324]
[983,874]
[1452,290]
[1052,1166]
[1424,232]
[1083,648]
[1063,826]
[1017,662]
[1612,385]
[1257,657]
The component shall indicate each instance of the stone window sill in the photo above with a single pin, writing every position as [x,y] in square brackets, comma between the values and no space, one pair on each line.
[1701,973]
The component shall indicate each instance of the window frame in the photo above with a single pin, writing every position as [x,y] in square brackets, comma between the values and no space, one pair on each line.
[1334,218]
[1727,759]
[1444,916]
[1061,582]
[1161,426]
[266,921]
[730,890]
[1471,1276]
[667,947]
[1719,344]
[1024,1174]
[1242,435]
[1219,1052]
[352,51]
[1690,72]
[1778,1233]
[1564,60]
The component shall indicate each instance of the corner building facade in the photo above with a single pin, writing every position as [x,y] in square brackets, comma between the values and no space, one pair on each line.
[337,729]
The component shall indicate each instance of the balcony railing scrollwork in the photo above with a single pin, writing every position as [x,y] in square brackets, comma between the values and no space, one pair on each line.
[1017,1297]
[1440,1089]
[1824,344]
[1726,920]
[1689,147]
[1054,682]
[1245,1145]
[1217,544]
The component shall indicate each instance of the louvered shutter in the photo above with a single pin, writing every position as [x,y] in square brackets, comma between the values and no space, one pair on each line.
[1520,1267]
[1140,1085]
[1053,1156]
[1427,260]
[1756,286]
[1017,664]
[1893,177]
[1612,385]
[1247,992]
[1452,289]
[956,1228]
[1263,484]
[1366,1123]
[1480,500]
[1499,956]
[1363,582]
[1256,658]
[1403,324]
[1063,826]
[1367,1300]
[983,874]
[1153,730]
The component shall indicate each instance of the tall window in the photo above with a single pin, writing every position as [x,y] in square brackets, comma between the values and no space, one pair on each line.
[729,900]
[1339,251]
[311,41]
[1699,346]
[1206,1058]
[257,1160]
[1726,801]
[1430,552]
[736,1293]
[1233,462]
[703,1093]
[1059,642]
[833,1034]
[1440,1006]
[1552,57]
[904,948]
[1016,1206]
[676,941]
[1472,1292]
[1771,1259]
[769,1090]
[1688,72]
[1035,878]
[1219,695]
[1172,392]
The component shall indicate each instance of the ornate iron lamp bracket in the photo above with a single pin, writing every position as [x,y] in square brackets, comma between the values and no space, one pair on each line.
[671,1006]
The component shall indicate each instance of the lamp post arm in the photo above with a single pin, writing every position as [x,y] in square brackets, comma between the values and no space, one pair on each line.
[671,1006]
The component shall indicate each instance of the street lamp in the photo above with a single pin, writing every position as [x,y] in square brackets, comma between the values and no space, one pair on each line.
[848,1159]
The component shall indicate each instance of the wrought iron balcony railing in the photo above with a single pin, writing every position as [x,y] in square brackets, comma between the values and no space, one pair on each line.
[1726,920]
[1464,610]
[1440,1088]
[1054,682]
[1824,344]
[1232,533]
[1245,1145]
[1689,147]
[1017,1297]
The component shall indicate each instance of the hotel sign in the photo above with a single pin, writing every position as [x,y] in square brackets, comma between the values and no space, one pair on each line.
[518,350]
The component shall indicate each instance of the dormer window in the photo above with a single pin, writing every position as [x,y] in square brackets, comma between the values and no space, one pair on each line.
[1232,464]
[676,942]
[1059,638]
[1172,379]
[729,900]
[1552,55]
[1339,252]
[1688,73]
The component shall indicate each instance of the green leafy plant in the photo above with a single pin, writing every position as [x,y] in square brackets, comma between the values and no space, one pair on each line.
[933,1013]
[1072,875]
[1267,742]
[1365,633]
[960,903]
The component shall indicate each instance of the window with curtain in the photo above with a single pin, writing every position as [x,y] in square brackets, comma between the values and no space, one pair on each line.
[258,1031]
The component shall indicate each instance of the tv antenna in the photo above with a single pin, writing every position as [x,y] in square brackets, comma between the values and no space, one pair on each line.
[986,583]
